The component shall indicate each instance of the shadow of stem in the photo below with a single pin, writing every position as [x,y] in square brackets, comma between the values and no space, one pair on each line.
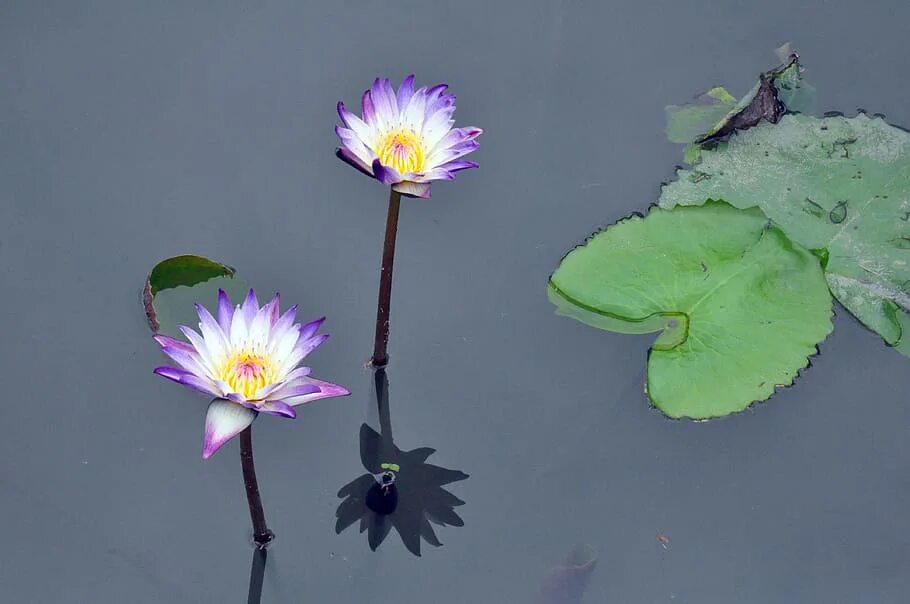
[257,573]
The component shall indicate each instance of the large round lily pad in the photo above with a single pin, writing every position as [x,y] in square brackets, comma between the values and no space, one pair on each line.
[836,184]
[741,306]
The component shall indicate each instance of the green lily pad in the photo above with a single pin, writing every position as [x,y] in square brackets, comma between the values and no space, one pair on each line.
[836,184]
[740,307]
[175,284]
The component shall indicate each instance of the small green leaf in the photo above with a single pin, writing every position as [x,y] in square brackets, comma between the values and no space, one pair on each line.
[175,284]
[740,307]
[835,183]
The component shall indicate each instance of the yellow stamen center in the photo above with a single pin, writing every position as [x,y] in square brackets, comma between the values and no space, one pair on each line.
[401,149]
[247,372]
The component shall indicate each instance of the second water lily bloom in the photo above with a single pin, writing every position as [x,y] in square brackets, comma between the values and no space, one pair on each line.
[405,139]
[248,359]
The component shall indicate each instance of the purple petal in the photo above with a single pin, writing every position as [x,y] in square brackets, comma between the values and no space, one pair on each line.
[211,330]
[289,390]
[443,156]
[456,136]
[189,360]
[284,321]
[303,348]
[441,110]
[345,134]
[356,147]
[307,330]
[357,130]
[436,127]
[310,344]
[283,344]
[239,331]
[283,338]
[199,343]
[405,92]
[367,108]
[249,308]
[169,342]
[434,92]
[279,408]
[385,175]
[413,189]
[343,114]
[188,379]
[384,101]
[348,157]
[225,312]
[390,94]
[437,174]
[457,165]
[413,115]
[223,421]
[273,309]
[326,390]
[262,324]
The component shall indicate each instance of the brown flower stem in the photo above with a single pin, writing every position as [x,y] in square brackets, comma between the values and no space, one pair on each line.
[262,536]
[380,356]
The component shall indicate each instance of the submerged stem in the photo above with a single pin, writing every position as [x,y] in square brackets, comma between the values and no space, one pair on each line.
[262,536]
[380,356]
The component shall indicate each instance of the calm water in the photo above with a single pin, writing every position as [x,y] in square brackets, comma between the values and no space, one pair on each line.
[133,131]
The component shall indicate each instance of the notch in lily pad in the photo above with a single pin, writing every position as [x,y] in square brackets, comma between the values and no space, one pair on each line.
[175,284]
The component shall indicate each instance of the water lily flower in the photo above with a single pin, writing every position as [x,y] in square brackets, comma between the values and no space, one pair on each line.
[406,139]
[248,360]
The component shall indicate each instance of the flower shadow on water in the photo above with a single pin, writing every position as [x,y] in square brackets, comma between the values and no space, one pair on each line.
[400,489]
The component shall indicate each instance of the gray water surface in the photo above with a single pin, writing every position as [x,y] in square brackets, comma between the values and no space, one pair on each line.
[131,131]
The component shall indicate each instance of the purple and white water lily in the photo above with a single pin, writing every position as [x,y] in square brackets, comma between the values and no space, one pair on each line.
[248,360]
[406,139]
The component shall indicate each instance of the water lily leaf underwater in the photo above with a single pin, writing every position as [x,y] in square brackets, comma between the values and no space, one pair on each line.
[716,114]
[567,583]
[175,284]
[835,184]
[741,306]
[685,123]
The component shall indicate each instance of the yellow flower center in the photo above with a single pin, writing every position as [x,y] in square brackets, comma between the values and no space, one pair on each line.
[246,372]
[401,149]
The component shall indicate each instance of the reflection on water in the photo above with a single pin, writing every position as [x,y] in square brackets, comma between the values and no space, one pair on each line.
[257,572]
[400,489]
[566,583]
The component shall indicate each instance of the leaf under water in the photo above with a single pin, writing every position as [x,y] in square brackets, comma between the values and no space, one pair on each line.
[175,284]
